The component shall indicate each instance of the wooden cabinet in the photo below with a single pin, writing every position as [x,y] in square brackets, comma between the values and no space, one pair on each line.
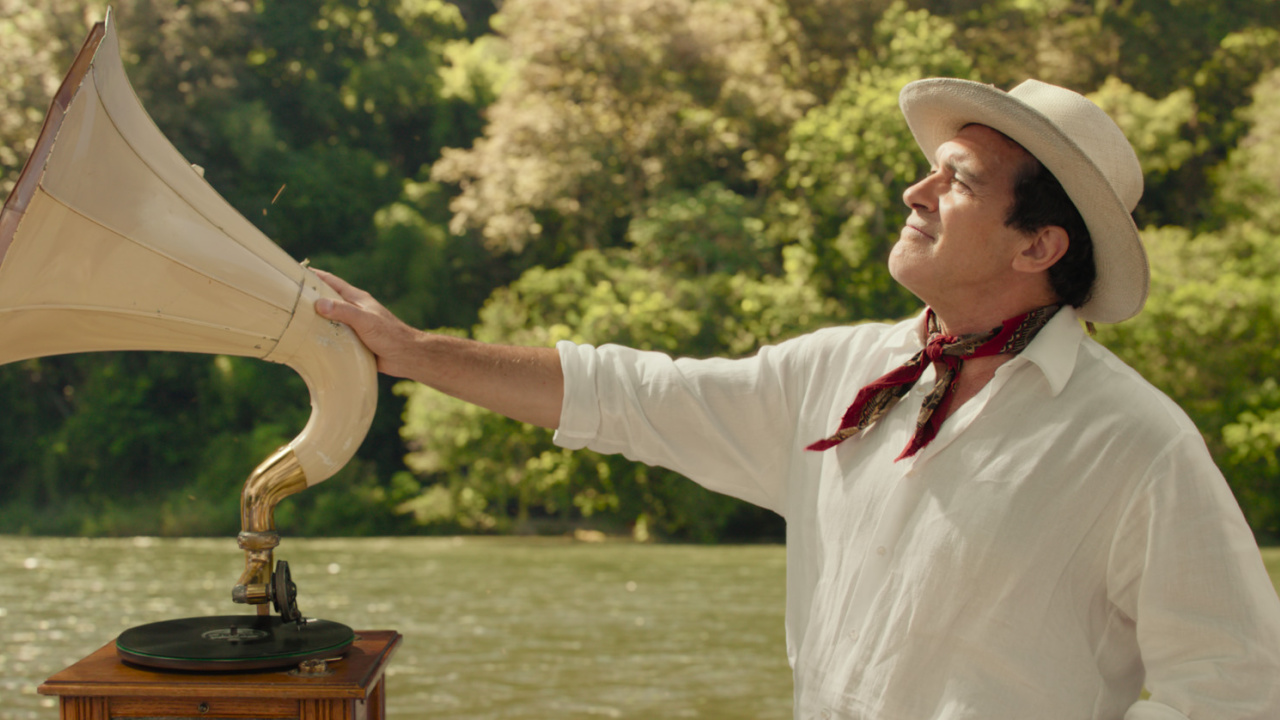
[101,687]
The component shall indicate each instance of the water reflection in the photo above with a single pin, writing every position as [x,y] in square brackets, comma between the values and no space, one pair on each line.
[494,628]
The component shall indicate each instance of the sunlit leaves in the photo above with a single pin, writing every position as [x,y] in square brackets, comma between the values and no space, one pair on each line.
[31,56]
[1249,181]
[613,103]
[1154,127]
[711,230]
[1207,338]
[850,160]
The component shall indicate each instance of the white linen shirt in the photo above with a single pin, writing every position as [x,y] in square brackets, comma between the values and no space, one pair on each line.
[1064,539]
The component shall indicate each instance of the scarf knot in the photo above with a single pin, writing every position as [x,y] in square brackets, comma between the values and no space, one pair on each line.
[945,352]
[937,347]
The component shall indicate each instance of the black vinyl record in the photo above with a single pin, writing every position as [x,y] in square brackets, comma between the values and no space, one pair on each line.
[232,643]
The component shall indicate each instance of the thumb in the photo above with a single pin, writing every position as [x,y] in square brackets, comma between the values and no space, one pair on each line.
[341,312]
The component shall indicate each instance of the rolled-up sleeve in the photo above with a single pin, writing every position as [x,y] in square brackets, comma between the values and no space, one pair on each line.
[725,424]
[580,411]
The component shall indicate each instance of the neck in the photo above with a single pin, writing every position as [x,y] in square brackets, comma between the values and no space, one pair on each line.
[973,308]
[976,372]
[964,321]
[969,323]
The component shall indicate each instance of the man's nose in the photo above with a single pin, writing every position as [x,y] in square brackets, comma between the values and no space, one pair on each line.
[920,195]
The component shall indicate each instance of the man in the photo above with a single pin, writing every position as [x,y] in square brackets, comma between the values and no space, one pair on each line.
[1007,522]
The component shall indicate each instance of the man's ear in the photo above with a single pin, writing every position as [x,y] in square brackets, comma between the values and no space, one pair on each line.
[1042,249]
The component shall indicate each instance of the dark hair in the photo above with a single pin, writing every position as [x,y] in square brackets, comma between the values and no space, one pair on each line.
[1039,201]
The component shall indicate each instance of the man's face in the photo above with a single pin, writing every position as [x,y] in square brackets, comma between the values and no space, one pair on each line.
[955,246]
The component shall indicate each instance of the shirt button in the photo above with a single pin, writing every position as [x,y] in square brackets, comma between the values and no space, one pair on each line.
[882,550]
[826,715]
[853,635]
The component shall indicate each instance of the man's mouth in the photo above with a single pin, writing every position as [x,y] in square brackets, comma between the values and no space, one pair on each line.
[919,230]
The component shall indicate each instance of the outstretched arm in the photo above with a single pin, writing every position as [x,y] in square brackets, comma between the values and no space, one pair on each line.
[523,383]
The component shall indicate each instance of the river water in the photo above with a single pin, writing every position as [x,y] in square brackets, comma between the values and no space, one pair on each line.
[493,627]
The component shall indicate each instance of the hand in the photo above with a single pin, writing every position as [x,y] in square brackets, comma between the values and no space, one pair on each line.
[388,337]
[523,383]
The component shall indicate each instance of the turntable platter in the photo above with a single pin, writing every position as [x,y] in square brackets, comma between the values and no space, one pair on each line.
[232,643]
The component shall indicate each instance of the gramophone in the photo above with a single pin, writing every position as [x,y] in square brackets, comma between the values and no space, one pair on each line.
[112,241]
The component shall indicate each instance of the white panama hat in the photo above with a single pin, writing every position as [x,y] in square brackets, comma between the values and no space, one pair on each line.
[1083,148]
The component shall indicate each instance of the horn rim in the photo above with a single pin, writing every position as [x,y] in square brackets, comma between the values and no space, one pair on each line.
[29,179]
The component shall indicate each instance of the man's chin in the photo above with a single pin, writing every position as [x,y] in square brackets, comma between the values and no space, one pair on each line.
[900,267]
[910,267]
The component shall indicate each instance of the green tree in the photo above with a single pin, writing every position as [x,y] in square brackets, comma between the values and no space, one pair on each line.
[612,104]
[692,176]
[1162,45]
[1057,41]
[1207,335]
[850,160]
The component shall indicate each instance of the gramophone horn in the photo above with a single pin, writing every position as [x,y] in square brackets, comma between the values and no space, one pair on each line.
[112,241]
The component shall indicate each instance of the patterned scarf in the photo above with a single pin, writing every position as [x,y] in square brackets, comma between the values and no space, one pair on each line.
[947,353]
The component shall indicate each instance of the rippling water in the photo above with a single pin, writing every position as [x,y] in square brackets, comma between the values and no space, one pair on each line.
[493,627]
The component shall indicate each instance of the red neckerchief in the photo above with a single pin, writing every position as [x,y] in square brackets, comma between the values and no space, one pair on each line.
[947,353]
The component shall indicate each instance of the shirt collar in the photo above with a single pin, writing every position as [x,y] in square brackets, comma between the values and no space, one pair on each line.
[1053,349]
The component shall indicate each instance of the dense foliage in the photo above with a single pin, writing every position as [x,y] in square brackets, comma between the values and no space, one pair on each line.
[699,177]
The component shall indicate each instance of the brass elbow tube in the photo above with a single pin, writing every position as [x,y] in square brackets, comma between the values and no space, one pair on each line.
[278,477]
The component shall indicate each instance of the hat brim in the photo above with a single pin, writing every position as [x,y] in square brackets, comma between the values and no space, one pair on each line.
[937,108]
